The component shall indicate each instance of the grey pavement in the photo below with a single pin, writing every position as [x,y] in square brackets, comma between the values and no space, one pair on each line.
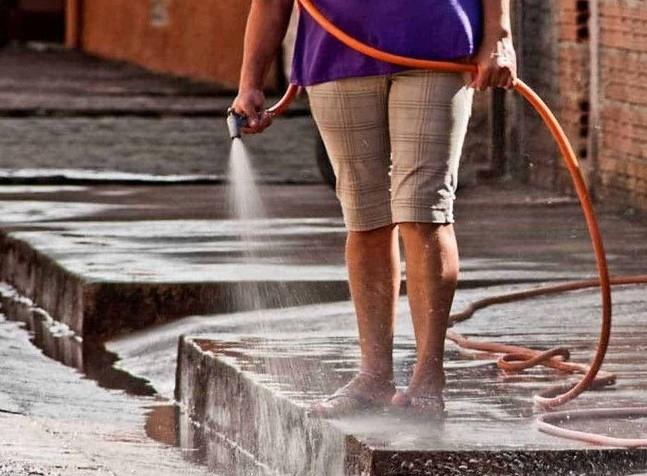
[54,422]
[78,84]
[178,146]
[96,119]
[169,260]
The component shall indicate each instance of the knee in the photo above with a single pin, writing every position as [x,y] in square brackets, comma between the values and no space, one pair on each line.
[429,234]
[374,240]
[435,246]
[375,237]
[425,230]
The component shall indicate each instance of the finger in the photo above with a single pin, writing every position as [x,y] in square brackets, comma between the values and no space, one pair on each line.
[509,75]
[510,83]
[265,122]
[252,125]
[242,107]
[470,78]
[250,130]
[503,78]
[252,118]
[473,77]
[477,83]
[497,77]
[515,81]
[485,80]
[236,107]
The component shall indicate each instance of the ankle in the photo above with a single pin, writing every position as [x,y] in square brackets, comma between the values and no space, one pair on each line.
[370,387]
[377,375]
[427,385]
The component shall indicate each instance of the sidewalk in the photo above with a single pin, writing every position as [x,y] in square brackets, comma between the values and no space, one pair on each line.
[55,423]
[137,243]
[66,114]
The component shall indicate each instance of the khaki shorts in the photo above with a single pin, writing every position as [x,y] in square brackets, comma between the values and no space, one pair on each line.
[395,144]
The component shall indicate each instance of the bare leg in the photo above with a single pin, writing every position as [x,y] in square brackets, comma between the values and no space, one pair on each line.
[432,273]
[373,260]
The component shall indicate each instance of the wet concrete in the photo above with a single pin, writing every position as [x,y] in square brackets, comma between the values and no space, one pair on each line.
[252,384]
[105,260]
[109,259]
[112,148]
[93,120]
[54,422]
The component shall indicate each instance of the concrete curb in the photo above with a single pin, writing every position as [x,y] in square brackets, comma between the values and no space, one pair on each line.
[227,405]
[97,310]
[227,402]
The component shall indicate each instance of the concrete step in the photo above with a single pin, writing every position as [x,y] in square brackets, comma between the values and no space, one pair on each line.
[248,386]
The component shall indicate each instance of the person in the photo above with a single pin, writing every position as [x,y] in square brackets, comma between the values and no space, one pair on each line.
[394,137]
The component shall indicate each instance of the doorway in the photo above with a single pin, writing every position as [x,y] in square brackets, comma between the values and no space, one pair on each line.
[32,20]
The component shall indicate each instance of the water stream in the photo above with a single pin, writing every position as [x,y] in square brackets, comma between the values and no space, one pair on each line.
[247,207]
[244,197]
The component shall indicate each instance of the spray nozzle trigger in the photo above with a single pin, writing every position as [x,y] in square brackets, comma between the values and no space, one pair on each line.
[235,122]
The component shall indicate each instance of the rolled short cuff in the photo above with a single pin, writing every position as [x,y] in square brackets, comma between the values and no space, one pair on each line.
[368,218]
[420,214]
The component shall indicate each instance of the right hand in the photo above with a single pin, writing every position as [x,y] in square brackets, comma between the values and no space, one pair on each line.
[497,64]
[250,103]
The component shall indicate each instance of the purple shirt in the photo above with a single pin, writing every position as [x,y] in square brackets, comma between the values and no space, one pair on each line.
[430,29]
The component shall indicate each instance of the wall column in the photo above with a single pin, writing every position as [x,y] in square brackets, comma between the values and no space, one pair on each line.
[73,23]
[594,99]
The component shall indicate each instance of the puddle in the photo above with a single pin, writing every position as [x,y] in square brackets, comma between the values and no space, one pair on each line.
[29,211]
[59,342]
[29,189]
[99,365]
[162,424]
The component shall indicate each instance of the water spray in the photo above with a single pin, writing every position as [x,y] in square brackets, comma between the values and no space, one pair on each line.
[516,358]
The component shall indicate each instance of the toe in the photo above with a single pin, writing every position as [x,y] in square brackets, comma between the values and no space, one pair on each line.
[400,399]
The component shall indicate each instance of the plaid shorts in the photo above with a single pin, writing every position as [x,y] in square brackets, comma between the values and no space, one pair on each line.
[395,144]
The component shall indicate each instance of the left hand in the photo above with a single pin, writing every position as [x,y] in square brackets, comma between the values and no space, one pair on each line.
[497,65]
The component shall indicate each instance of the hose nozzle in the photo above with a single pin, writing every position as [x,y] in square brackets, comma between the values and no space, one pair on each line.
[235,122]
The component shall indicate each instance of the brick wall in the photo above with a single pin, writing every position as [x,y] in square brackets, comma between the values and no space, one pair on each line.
[554,61]
[622,161]
[573,83]
[202,39]
[555,48]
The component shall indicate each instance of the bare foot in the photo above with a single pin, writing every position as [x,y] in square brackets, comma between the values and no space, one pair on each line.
[422,399]
[430,405]
[364,391]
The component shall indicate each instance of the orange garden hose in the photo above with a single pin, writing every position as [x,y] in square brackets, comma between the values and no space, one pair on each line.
[516,358]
